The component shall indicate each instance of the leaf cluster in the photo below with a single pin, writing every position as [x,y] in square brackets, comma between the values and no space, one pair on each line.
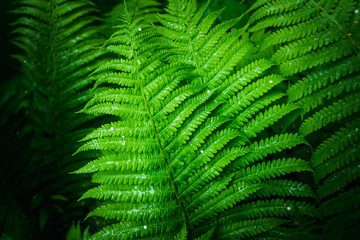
[183,120]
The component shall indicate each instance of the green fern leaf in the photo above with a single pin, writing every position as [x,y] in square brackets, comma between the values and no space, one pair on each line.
[264,120]
[336,112]
[245,229]
[286,188]
[343,202]
[272,169]
[263,209]
[176,90]
[332,183]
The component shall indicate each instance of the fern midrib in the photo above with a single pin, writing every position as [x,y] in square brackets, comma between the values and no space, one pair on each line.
[53,46]
[194,55]
[158,142]
[348,34]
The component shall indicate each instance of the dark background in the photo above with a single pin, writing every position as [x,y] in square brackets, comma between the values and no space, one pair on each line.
[8,65]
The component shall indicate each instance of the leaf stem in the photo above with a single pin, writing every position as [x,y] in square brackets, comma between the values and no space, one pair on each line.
[158,139]
[53,46]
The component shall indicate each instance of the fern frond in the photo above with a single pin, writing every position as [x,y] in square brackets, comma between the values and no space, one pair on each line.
[144,9]
[213,145]
[344,223]
[351,84]
[259,150]
[272,169]
[272,8]
[225,200]
[335,112]
[123,161]
[246,229]
[168,162]
[301,14]
[323,55]
[264,208]
[264,120]
[332,183]
[58,49]
[318,80]
[343,202]
[337,151]
[131,230]
[293,32]
[249,94]
[286,188]
[314,45]
[207,235]
[207,192]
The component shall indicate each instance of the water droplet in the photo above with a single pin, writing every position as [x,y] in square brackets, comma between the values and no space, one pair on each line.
[202,151]
[123,136]
[145,227]
[111,129]
[139,29]
[356,11]
[270,81]
[208,91]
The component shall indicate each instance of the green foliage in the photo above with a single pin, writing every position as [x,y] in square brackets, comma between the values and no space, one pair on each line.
[316,43]
[184,128]
[146,9]
[57,43]
[193,121]
[75,233]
